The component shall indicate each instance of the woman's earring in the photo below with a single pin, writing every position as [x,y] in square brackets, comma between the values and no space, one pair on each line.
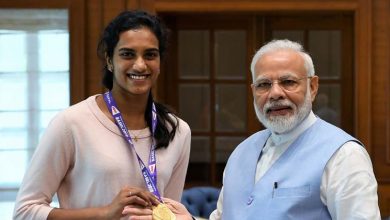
[109,67]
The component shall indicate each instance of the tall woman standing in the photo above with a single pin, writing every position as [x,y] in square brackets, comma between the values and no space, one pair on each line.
[113,150]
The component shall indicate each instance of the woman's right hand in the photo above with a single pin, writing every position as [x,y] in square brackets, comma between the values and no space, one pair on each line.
[132,197]
[128,196]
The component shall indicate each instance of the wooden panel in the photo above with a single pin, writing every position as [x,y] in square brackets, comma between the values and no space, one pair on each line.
[363,73]
[111,9]
[381,91]
[255,39]
[77,50]
[265,5]
[387,81]
[132,4]
[94,29]
[386,101]
[35,4]
[384,199]
[169,69]
[147,5]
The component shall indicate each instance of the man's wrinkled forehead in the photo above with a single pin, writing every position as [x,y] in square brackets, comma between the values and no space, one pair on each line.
[287,75]
[290,60]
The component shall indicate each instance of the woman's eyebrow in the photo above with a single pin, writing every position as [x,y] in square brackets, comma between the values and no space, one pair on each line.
[125,49]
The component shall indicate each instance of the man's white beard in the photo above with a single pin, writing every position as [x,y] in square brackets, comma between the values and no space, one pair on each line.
[284,123]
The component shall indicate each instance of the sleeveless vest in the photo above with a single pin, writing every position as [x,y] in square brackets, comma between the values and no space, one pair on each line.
[290,189]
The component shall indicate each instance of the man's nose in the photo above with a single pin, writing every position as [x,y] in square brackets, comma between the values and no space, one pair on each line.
[276,92]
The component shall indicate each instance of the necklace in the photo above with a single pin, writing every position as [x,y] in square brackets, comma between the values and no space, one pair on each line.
[136,134]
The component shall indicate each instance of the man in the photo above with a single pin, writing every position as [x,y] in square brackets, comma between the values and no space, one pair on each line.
[300,167]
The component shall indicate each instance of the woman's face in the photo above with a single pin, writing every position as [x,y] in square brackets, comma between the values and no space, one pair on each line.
[136,61]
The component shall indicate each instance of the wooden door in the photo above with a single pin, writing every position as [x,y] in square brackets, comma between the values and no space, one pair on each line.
[209,78]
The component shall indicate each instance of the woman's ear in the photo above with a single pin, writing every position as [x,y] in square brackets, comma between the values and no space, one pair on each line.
[110,67]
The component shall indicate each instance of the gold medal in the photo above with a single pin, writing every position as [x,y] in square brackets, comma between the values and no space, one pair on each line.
[162,212]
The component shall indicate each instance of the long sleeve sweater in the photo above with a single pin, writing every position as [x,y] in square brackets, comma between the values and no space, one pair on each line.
[83,158]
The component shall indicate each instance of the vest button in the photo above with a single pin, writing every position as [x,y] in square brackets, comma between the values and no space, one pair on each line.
[250,200]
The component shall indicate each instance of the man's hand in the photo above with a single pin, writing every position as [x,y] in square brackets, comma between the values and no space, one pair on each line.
[178,209]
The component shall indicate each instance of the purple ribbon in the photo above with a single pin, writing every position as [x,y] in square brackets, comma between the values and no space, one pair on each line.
[149,173]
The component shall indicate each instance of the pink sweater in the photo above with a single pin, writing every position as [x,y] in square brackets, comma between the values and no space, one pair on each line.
[85,160]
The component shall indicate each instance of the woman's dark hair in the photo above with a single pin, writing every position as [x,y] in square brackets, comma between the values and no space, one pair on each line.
[128,20]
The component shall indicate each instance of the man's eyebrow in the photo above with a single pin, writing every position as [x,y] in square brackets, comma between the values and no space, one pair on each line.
[287,75]
[261,78]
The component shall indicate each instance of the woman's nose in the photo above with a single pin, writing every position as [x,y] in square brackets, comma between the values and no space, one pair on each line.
[139,65]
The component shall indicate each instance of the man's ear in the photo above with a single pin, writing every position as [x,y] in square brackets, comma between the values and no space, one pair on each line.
[313,87]
[253,90]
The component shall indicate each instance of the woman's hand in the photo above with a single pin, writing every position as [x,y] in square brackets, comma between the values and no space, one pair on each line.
[130,197]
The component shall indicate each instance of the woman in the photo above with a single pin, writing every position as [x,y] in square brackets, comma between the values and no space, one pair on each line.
[94,154]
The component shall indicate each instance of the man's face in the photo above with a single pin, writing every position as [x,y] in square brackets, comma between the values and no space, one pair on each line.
[283,105]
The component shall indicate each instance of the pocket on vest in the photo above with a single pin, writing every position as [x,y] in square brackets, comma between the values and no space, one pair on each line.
[301,191]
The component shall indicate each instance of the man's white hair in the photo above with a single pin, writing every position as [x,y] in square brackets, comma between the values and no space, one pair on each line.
[285,44]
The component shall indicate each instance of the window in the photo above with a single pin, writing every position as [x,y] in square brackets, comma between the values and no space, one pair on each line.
[34,86]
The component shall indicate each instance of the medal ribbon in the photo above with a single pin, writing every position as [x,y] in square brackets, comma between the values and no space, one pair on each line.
[148,173]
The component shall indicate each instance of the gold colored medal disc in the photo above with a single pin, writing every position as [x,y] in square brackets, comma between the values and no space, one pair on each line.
[162,212]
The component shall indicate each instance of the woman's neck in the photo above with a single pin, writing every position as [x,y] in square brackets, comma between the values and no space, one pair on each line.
[132,108]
